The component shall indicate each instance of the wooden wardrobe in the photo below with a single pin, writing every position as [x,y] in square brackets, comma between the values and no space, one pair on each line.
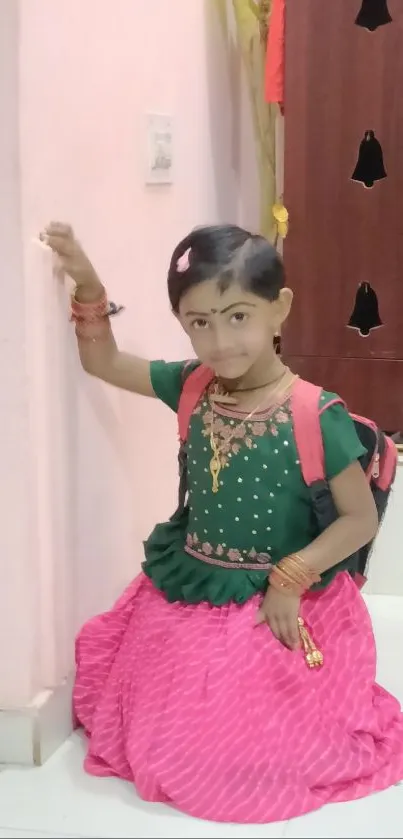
[342,81]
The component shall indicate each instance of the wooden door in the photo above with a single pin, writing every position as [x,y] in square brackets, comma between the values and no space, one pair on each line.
[342,81]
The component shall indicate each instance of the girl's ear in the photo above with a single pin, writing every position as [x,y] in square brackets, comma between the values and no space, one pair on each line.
[283,306]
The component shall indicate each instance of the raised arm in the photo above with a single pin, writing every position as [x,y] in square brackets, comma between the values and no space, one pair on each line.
[97,347]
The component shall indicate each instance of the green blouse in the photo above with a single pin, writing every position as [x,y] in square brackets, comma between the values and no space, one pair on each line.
[220,549]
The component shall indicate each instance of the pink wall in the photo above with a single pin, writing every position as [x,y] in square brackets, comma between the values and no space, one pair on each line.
[18,633]
[88,470]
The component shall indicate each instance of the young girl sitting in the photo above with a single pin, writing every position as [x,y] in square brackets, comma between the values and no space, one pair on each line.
[195,686]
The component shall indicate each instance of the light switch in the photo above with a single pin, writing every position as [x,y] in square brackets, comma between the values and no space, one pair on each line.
[159,149]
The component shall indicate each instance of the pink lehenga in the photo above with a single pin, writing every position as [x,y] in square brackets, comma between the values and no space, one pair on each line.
[204,710]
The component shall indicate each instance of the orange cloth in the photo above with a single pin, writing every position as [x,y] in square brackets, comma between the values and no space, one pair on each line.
[274,81]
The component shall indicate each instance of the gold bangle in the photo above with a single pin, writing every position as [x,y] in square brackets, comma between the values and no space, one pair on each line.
[299,563]
[285,588]
[292,575]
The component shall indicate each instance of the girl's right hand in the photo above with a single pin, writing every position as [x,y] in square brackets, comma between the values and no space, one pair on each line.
[73,261]
[280,612]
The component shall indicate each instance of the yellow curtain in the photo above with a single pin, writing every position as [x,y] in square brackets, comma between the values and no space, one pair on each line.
[252,20]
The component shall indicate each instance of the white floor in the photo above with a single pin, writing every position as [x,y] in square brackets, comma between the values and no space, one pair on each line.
[60,800]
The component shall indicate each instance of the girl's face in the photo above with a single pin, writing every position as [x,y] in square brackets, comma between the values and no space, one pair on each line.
[231,331]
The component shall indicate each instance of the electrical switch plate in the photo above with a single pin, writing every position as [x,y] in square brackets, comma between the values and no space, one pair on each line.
[159,149]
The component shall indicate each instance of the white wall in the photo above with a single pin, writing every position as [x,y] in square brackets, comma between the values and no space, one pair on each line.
[86,470]
[18,636]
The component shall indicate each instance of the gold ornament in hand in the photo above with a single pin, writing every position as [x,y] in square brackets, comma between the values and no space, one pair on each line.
[313,656]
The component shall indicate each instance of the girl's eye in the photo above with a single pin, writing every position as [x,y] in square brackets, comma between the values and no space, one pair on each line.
[239,317]
[200,323]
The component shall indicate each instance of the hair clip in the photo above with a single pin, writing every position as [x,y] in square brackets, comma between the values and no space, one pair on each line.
[182,264]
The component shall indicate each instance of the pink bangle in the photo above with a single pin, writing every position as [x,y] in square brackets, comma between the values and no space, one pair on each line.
[89,312]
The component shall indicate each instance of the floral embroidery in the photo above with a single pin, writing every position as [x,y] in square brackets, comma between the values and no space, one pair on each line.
[259,429]
[233,555]
[263,558]
[227,434]
[232,437]
[206,548]
[240,432]
[282,416]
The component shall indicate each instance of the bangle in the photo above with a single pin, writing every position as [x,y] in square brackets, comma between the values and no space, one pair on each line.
[93,312]
[89,312]
[293,576]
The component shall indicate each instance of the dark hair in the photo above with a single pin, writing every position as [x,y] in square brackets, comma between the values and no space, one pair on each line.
[226,253]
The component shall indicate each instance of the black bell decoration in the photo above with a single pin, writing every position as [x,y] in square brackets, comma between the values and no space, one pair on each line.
[370,166]
[373,13]
[365,315]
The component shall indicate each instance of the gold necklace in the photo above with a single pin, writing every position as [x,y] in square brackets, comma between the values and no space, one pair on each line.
[229,398]
[215,462]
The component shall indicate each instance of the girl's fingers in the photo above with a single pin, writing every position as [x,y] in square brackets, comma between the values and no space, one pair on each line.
[289,634]
[57,228]
[260,617]
[286,631]
[283,633]
[60,244]
[295,637]
[275,628]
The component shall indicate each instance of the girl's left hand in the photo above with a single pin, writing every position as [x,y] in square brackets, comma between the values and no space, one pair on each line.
[61,239]
[280,612]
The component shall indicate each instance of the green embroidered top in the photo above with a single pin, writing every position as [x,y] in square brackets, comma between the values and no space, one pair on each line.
[221,547]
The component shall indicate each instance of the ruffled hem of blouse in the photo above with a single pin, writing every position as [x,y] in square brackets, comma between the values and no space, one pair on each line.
[182,577]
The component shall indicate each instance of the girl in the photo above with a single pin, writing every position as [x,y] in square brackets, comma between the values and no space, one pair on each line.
[194,686]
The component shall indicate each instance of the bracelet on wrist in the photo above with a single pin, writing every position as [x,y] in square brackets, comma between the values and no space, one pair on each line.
[94,311]
[293,576]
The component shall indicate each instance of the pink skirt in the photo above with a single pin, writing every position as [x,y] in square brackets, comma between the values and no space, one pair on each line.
[205,711]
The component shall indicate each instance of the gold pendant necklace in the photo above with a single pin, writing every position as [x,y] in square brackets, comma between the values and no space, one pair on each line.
[215,462]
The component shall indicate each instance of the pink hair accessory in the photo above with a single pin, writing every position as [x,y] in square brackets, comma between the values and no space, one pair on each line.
[182,264]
